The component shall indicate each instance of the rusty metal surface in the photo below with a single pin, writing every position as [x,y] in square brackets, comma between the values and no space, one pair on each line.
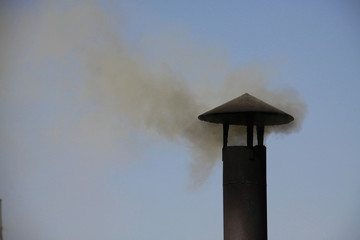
[245,110]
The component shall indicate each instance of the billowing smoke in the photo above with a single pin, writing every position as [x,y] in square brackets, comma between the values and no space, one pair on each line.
[152,96]
[163,101]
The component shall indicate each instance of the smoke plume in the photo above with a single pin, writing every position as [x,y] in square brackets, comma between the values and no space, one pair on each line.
[152,95]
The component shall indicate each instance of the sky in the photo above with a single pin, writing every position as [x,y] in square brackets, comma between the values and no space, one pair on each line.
[99,136]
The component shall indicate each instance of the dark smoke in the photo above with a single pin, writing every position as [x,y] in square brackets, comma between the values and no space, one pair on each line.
[153,97]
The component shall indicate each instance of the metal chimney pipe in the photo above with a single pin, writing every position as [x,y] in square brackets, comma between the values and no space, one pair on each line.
[1,226]
[244,167]
[244,193]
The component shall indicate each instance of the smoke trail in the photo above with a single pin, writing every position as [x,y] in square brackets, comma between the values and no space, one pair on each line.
[164,102]
[160,102]
[151,99]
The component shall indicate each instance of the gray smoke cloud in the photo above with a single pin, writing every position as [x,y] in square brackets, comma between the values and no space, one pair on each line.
[152,95]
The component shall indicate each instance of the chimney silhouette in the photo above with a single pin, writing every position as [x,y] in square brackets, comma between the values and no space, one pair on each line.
[244,167]
[1,226]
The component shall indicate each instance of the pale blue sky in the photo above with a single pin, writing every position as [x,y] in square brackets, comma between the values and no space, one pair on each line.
[71,169]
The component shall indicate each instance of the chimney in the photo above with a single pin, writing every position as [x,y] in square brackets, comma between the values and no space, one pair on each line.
[1,226]
[244,167]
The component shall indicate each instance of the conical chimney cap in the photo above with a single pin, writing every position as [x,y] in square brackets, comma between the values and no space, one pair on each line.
[245,110]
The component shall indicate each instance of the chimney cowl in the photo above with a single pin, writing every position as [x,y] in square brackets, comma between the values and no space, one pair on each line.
[245,110]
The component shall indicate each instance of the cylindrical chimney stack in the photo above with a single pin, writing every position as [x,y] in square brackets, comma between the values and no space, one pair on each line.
[1,226]
[244,167]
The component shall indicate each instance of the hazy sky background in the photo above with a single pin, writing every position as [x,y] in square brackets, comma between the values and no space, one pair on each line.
[99,137]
